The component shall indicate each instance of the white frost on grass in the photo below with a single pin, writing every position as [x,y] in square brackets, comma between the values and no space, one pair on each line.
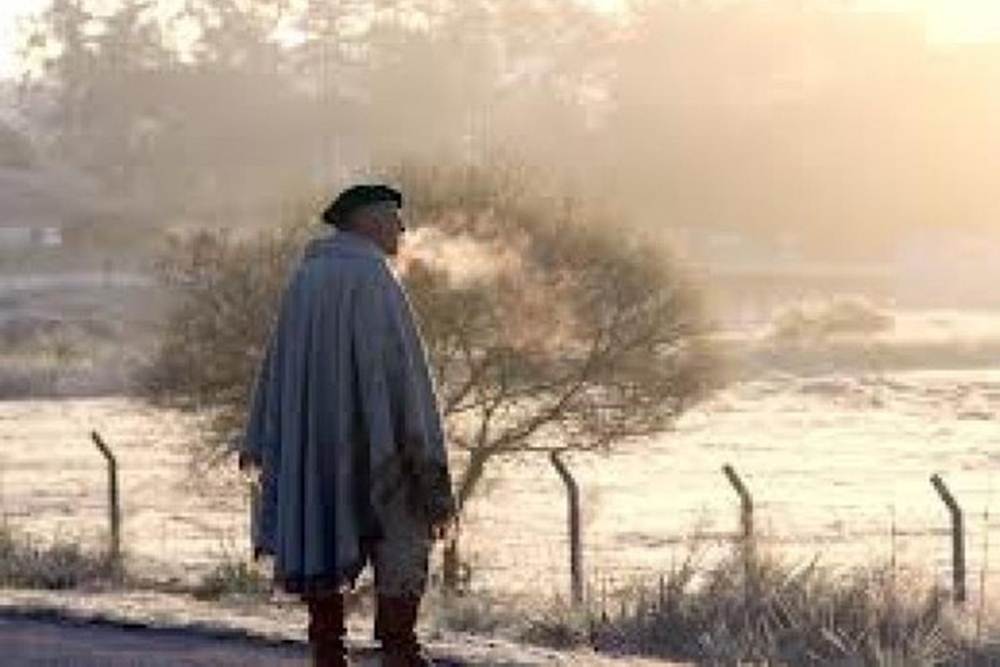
[832,463]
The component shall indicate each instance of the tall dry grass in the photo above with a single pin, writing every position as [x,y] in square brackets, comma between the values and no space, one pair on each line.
[774,613]
[63,564]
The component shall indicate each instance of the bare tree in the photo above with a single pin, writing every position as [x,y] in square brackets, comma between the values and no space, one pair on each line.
[227,289]
[549,328]
[555,330]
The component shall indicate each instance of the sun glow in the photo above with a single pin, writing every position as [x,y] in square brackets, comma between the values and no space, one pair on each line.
[951,21]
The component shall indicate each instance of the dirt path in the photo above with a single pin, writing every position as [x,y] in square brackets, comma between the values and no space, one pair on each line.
[25,642]
[28,642]
[151,629]
[49,643]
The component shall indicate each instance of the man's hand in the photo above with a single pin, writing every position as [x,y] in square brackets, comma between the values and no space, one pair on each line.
[433,491]
[249,469]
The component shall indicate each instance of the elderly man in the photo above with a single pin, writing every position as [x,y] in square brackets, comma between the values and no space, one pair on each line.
[346,432]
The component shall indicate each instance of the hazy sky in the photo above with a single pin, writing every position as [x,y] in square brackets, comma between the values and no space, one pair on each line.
[9,12]
[946,21]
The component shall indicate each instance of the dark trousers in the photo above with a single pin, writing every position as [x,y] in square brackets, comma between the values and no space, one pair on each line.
[327,630]
[395,623]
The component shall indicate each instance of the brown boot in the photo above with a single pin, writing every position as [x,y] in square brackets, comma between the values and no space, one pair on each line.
[326,631]
[395,620]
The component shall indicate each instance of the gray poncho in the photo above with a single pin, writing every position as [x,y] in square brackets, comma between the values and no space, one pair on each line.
[343,416]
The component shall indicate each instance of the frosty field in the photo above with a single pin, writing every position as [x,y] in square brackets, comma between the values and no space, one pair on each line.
[838,467]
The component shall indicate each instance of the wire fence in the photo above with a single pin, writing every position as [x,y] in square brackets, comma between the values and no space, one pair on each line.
[919,537]
[176,522]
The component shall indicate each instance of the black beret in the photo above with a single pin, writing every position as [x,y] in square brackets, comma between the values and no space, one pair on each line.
[355,197]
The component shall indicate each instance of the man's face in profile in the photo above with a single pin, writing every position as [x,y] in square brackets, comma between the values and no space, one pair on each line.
[387,227]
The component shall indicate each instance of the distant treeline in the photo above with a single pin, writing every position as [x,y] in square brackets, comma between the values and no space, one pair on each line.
[826,129]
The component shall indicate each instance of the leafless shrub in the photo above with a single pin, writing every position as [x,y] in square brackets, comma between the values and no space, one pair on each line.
[547,326]
[50,356]
[572,337]
[213,340]
[841,316]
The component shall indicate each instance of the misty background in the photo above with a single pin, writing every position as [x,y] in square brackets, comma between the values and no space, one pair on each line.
[783,147]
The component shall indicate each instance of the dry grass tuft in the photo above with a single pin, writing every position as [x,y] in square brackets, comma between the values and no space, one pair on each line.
[61,565]
[233,577]
[773,613]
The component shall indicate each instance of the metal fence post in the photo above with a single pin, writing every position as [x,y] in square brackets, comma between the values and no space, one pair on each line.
[957,538]
[746,520]
[114,509]
[575,545]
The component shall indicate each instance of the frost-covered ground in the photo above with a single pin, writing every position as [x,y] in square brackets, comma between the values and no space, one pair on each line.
[838,462]
[838,466]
